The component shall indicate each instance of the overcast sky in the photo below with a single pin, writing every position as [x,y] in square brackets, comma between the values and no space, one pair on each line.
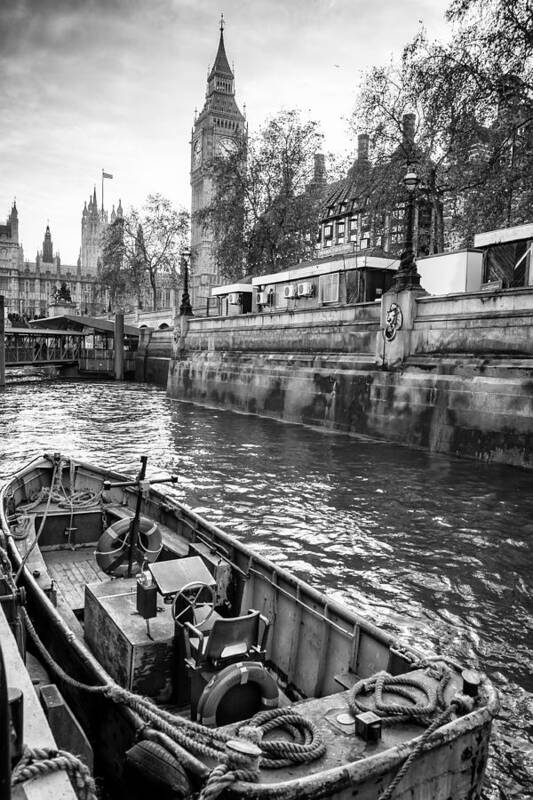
[113,84]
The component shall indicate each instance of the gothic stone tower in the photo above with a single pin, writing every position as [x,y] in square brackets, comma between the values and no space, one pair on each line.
[93,224]
[215,131]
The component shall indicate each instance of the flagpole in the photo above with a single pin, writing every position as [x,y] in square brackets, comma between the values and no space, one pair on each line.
[102,192]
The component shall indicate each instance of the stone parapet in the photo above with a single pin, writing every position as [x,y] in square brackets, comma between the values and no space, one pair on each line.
[343,329]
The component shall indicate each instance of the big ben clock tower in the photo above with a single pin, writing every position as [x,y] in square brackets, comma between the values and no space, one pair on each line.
[216,130]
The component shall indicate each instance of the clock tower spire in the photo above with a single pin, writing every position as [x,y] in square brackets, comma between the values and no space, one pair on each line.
[216,129]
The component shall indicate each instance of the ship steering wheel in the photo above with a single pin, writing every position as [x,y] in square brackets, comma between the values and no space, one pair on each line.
[191,598]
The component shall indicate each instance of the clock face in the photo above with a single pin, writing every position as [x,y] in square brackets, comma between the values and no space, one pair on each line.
[226,146]
[196,151]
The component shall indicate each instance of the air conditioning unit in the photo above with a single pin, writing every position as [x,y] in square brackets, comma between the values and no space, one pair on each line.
[234,299]
[289,291]
[305,289]
[262,298]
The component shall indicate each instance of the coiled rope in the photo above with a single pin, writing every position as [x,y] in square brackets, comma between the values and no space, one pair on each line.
[432,710]
[39,761]
[189,740]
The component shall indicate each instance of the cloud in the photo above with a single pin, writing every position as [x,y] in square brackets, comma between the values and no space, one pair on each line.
[92,84]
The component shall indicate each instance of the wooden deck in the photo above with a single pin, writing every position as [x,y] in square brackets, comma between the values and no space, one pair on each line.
[71,570]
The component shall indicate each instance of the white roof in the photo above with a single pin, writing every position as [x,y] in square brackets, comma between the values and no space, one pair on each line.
[230,288]
[504,235]
[350,261]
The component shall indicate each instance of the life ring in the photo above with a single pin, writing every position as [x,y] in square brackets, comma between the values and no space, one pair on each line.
[234,675]
[112,550]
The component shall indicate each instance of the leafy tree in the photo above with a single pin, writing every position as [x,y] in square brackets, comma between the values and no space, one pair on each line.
[17,320]
[472,98]
[265,207]
[114,273]
[144,246]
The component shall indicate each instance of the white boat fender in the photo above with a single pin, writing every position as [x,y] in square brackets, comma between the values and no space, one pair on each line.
[114,543]
[241,673]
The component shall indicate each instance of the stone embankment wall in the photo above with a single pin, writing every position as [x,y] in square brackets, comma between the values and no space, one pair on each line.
[457,378]
[153,356]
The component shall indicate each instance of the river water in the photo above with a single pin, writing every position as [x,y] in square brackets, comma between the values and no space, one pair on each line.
[436,550]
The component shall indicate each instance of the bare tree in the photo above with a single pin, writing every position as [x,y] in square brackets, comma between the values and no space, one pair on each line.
[145,246]
[472,100]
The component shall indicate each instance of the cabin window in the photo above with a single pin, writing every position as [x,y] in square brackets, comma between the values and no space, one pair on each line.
[328,287]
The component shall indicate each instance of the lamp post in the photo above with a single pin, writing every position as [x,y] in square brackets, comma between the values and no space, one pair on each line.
[185,307]
[407,276]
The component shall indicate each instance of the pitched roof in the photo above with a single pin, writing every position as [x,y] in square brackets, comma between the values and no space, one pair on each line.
[79,323]
[221,65]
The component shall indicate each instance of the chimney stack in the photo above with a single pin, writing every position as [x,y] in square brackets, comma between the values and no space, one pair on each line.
[319,176]
[362,148]
[408,131]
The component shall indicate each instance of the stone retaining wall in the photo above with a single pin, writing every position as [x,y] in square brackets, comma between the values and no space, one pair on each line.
[458,378]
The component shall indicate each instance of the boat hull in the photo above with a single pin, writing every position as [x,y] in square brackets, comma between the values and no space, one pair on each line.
[312,642]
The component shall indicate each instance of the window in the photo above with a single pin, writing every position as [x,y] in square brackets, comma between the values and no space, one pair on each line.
[340,232]
[328,288]
[352,229]
[397,225]
[365,226]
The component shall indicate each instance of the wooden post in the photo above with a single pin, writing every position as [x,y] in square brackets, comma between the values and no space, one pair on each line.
[2,343]
[119,346]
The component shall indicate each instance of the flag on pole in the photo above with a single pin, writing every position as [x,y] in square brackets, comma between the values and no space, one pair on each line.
[106,174]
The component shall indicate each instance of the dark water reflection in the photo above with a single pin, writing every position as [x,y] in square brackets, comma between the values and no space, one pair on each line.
[437,550]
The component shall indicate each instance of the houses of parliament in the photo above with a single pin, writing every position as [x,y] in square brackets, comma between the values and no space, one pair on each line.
[28,286]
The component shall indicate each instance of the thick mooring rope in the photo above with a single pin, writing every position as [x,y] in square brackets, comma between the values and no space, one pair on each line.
[198,740]
[36,762]
[406,686]
[421,711]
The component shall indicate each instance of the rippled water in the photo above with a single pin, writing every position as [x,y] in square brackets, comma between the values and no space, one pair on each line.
[437,550]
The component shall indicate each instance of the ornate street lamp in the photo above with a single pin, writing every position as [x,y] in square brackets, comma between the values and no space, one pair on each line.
[407,276]
[185,307]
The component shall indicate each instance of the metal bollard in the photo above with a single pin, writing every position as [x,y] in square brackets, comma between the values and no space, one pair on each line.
[368,726]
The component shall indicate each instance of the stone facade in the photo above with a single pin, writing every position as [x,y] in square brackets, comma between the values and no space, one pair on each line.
[456,376]
[29,286]
[215,130]
[94,222]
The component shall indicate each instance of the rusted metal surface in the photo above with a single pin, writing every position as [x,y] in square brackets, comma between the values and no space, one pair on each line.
[117,635]
[312,640]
